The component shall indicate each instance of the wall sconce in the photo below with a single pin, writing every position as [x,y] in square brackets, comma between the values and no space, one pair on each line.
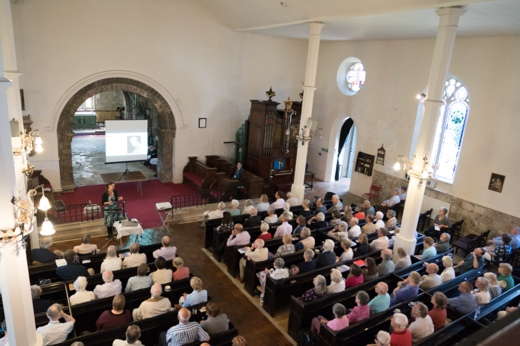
[421,170]
[305,134]
[421,97]
[28,143]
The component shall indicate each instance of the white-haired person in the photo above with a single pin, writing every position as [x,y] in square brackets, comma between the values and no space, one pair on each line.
[248,205]
[306,212]
[348,253]
[393,200]
[154,306]
[432,278]
[401,335]
[317,221]
[481,291]
[287,246]
[336,203]
[271,217]
[278,272]
[339,232]
[293,200]
[167,250]
[287,210]
[449,272]
[109,288]
[256,253]
[391,222]
[81,295]
[337,282]
[319,290]
[327,256]
[217,213]
[443,244]
[379,220]
[234,207]
[134,259]
[403,260]
[285,227]
[422,326]
[55,331]
[279,202]
[494,288]
[383,338]
[263,203]
[264,231]
[252,218]
[140,281]
[111,262]
[198,296]
[307,241]
[354,230]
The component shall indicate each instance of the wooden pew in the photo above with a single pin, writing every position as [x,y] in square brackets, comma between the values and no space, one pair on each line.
[199,174]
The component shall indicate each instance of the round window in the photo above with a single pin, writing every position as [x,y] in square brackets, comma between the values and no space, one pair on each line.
[351,76]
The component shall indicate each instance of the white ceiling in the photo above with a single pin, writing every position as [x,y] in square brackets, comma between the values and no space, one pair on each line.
[364,19]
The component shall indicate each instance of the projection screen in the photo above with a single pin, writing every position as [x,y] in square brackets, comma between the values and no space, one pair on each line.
[126,140]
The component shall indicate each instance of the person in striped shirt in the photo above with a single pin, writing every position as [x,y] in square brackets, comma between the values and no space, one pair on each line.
[185,332]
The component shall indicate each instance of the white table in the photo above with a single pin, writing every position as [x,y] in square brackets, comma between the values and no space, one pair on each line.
[123,231]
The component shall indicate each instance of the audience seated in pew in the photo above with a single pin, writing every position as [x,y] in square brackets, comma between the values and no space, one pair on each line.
[288,212]
[348,253]
[362,247]
[382,339]
[339,232]
[393,200]
[473,260]
[154,306]
[116,317]
[238,236]
[355,276]
[307,241]
[217,321]
[264,232]
[307,265]
[301,223]
[503,313]
[217,213]
[81,295]
[111,262]
[248,205]
[505,276]
[422,326]
[337,219]
[134,259]
[381,302]
[369,227]
[181,271]
[367,208]
[327,256]
[336,204]
[86,247]
[271,217]
[403,259]
[465,302]
[429,249]
[432,278]
[502,250]
[55,331]
[406,289]
[481,291]
[256,253]
[449,272]
[167,251]
[443,244]
[140,281]
[287,247]
[234,207]
[387,265]
[133,333]
[279,202]
[438,312]
[371,271]
[494,288]
[362,310]
[337,283]
[379,220]
[381,242]
[339,322]
[263,203]
[109,288]
[185,332]
[354,230]
[285,227]
[198,296]
[278,272]
[391,222]
[39,304]
[318,291]
[253,220]
[293,200]
[43,254]
[306,209]
[317,221]
[401,335]
[72,269]
[319,207]
[162,275]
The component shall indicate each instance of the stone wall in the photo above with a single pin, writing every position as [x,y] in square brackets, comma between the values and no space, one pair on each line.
[109,100]
[477,218]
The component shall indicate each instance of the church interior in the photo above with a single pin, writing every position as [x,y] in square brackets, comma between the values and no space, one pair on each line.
[255,172]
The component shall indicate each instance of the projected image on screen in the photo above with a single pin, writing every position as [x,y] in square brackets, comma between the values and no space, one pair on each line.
[126,140]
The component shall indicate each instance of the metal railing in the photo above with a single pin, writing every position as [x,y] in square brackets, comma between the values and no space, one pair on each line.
[81,212]
[194,199]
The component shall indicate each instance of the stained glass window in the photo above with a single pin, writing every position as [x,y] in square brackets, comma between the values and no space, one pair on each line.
[356,76]
[450,130]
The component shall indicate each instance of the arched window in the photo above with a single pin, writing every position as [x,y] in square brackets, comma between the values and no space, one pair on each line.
[450,130]
[351,76]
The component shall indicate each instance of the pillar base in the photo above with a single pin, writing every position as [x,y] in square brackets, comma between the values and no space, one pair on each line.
[298,191]
[408,244]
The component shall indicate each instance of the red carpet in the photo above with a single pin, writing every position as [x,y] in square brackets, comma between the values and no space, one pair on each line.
[137,206]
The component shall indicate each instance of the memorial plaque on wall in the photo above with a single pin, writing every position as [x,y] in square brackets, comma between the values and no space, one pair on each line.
[364,163]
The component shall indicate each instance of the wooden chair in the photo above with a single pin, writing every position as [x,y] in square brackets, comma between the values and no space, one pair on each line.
[471,241]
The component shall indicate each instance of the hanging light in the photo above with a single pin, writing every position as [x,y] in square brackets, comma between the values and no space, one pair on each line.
[397,166]
[47,228]
[44,204]
[38,144]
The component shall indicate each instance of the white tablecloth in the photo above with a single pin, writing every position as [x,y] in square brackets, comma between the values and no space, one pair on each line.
[123,231]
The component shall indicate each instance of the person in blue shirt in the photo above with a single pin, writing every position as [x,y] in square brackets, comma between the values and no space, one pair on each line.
[381,302]
[429,249]
[465,302]
[407,289]
[238,171]
[503,250]
[198,296]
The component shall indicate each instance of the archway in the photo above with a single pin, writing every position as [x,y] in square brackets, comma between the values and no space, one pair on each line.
[345,138]
[166,131]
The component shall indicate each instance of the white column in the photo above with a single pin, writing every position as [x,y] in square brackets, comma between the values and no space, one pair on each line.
[441,60]
[311,68]
[14,284]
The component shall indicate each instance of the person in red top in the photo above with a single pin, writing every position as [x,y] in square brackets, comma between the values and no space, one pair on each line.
[181,271]
[115,318]
[401,335]
[362,310]
[355,277]
[438,312]
[265,235]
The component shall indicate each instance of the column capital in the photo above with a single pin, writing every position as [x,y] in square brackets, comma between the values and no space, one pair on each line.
[315,28]
[449,16]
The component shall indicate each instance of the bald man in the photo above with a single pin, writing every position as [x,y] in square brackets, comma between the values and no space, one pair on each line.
[167,251]
[55,332]
[185,332]
[432,279]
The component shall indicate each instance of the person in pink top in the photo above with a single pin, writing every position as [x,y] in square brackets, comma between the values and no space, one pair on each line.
[339,322]
[284,228]
[167,251]
[362,310]
[355,277]
[181,271]
[238,236]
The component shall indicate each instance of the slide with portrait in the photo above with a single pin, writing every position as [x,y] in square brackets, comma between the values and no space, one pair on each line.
[126,140]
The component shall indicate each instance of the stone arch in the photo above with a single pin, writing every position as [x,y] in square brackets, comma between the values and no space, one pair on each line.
[165,114]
